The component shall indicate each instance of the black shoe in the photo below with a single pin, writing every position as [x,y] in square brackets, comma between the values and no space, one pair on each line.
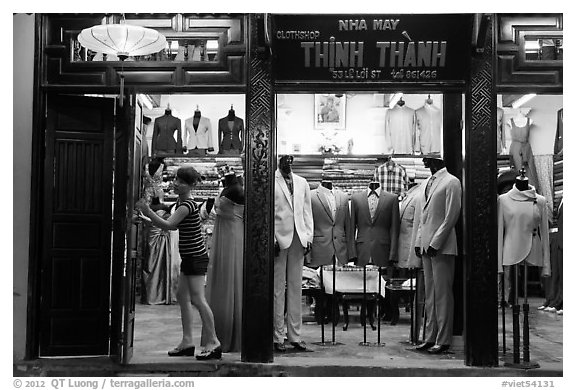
[299,346]
[178,351]
[437,349]
[216,353]
[424,346]
[279,347]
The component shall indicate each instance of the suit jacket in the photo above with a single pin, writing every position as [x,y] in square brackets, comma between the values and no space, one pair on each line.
[230,139]
[163,135]
[292,212]
[409,220]
[378,238]
[332,236]
[439,214]
[200,138]
[523,229]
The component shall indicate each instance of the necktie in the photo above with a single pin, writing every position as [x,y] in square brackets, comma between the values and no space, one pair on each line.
[372,202]
[427,191]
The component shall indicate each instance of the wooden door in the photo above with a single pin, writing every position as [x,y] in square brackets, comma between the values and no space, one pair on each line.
[126,191]
[77,218]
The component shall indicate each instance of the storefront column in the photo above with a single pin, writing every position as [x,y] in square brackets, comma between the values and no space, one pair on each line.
[480,218]
[259,215]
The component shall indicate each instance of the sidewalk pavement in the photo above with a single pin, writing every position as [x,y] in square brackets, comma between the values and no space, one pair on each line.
[158,330]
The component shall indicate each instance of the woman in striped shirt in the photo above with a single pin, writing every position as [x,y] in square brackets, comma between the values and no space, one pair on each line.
[194,264]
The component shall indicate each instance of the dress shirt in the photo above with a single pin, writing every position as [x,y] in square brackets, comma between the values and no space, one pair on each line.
[392,177]
[330,197]
[400,129]
[428,129]
[373,197]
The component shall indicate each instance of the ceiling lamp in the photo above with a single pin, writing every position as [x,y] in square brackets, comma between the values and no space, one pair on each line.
[123,40]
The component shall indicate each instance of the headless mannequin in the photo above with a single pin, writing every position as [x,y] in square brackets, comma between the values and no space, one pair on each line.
[232,189]
[400,102]
[326,184]
[231,115]
[168,111]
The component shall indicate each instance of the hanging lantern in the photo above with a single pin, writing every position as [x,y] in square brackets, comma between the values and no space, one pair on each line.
[123,40]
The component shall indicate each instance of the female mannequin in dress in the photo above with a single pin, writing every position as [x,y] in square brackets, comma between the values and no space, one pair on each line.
[225,270]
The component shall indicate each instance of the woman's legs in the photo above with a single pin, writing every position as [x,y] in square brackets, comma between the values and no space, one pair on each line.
[185,301]
[197,296]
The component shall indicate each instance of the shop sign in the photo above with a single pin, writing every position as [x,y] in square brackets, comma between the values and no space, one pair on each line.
[372,47]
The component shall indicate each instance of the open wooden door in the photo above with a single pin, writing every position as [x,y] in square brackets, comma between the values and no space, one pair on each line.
[127,168]
[77,218]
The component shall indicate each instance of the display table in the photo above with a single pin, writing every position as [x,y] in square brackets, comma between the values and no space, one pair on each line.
[349,281]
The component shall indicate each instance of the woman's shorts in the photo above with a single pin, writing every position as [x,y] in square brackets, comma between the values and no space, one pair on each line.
[192,265]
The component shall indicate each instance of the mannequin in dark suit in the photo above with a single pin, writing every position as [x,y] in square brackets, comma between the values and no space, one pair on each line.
[230,134]
[163,142]
[377,237]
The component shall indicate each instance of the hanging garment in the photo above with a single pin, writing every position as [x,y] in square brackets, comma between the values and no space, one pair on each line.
[163,141]
[399,130]
[521,153]
[230,137]
[523,229]
[544,168]
[428,129]
[199,136]
[500,135]
[392,177]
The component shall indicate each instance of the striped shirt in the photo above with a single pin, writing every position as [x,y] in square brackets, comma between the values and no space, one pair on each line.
[191,242]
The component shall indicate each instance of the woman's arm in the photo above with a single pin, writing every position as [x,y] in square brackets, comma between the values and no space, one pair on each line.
[170,224]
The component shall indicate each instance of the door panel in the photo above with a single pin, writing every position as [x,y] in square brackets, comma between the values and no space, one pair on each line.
[124,236]
[75,265]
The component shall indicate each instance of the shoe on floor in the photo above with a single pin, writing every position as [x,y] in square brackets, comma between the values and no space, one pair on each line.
[279,347]
[300,346]
[215,353]
[550,309]
[424,346]
[437,349]
[182,351]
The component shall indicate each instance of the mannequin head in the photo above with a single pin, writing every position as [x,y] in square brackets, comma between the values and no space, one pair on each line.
[285,164]
[433,163]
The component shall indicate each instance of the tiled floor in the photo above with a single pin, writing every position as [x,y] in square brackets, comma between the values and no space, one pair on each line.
[158,330]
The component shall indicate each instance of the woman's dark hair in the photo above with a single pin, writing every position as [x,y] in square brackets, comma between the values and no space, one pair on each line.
[189,175]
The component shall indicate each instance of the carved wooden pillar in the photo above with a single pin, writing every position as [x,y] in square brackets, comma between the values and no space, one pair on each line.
[257,330]
[480,218]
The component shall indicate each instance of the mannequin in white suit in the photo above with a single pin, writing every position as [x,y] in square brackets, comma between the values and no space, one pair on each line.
[436,244]
[293,232]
